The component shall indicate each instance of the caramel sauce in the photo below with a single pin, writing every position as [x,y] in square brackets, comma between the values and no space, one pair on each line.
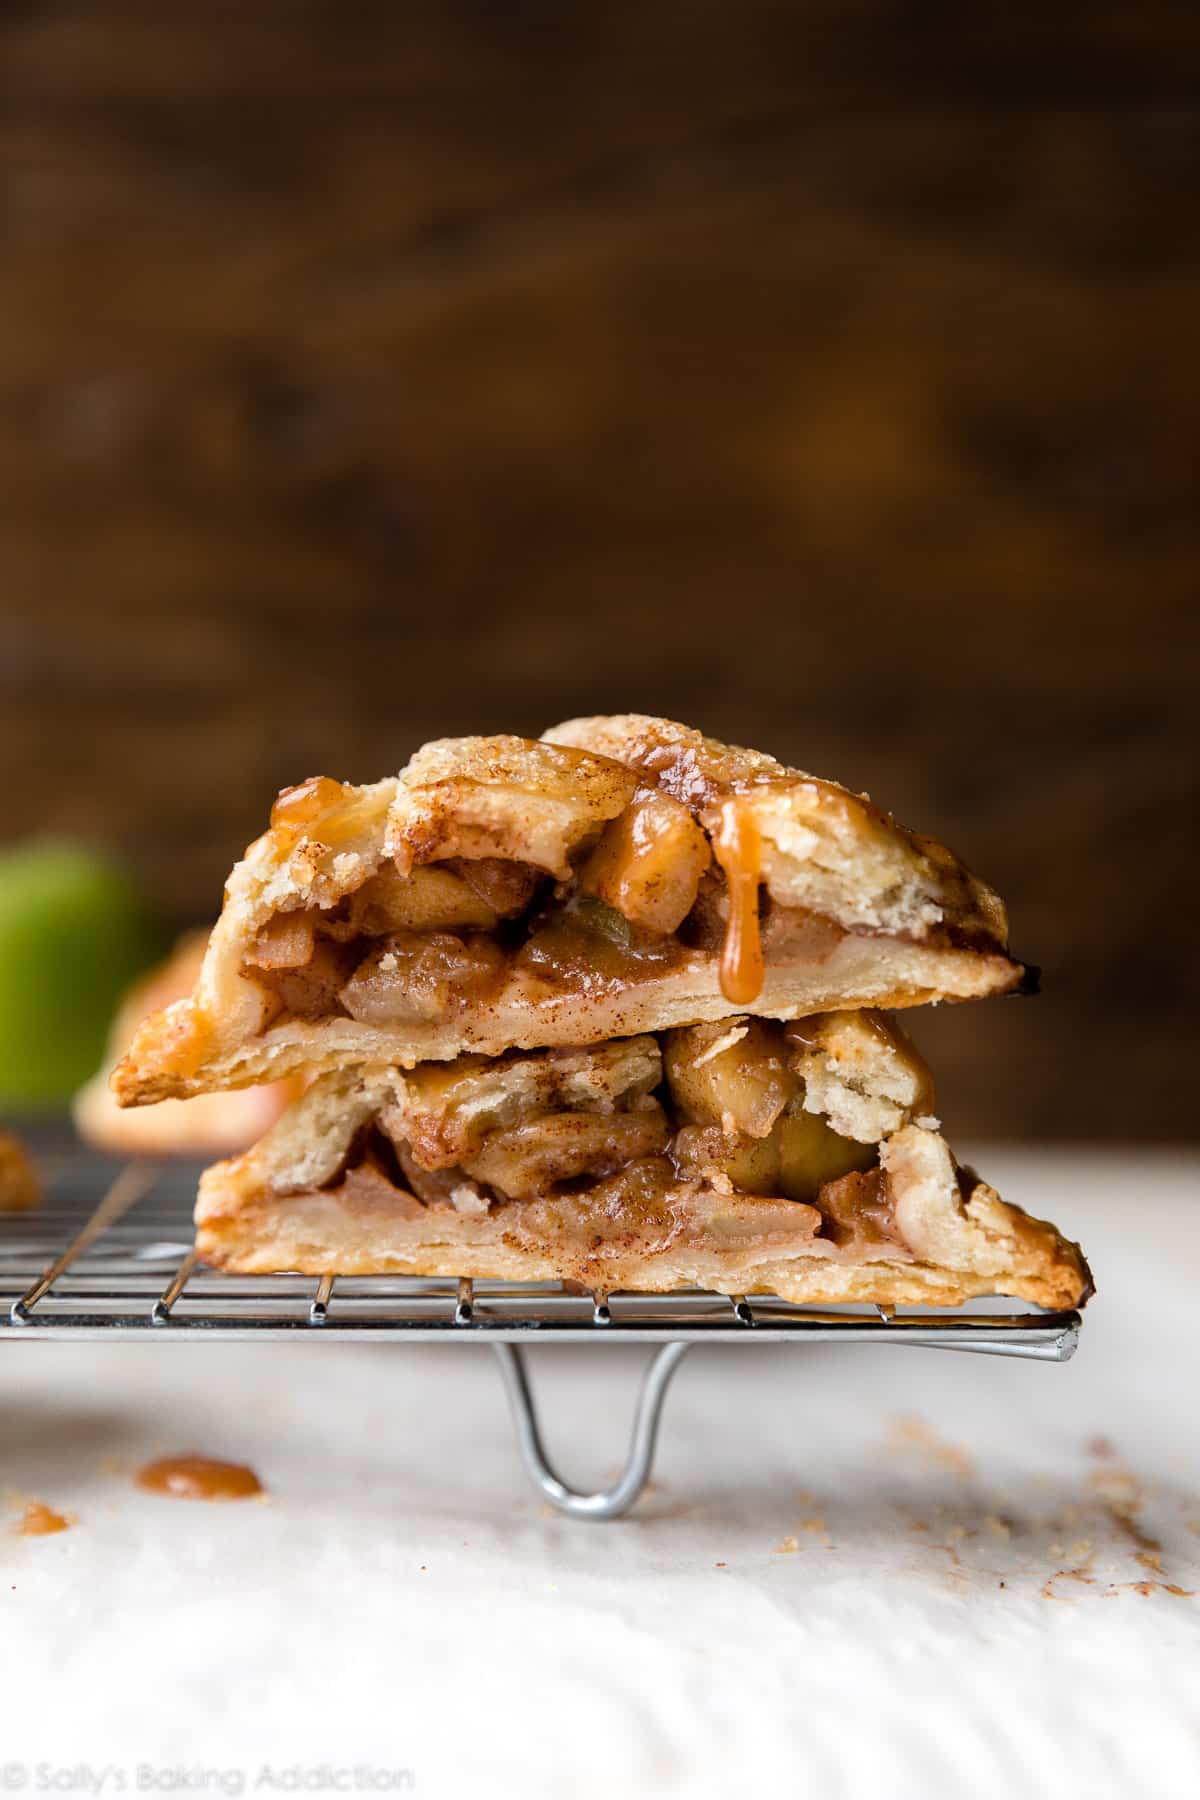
[738,848]
[298,811]
[296,808]
[40,1520]
[198,1478]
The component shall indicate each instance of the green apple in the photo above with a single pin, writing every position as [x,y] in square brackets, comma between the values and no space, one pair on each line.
[73,934]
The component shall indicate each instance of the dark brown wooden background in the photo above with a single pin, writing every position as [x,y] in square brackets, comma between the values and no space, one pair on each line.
[825,374]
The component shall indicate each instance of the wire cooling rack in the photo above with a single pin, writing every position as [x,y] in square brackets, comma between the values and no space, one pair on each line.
[110,1256]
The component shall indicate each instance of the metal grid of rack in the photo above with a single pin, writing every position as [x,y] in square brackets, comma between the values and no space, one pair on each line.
[111,1257]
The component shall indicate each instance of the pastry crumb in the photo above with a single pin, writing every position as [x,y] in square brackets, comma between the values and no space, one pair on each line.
[721,1045]
[1146,1588]
[1121,1496]
[911,1432]
[1080,1575]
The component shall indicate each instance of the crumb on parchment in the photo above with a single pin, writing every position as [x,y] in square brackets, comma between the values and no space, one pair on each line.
[912,1433]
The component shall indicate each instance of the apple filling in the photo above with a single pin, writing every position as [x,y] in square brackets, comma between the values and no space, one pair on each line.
[510,875]
[730,1107]
[448,936]
[628,887]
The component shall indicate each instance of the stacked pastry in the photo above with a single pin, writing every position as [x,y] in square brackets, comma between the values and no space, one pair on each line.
[604,1007]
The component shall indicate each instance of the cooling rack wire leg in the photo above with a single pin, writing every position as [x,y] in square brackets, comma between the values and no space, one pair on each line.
[610,1502]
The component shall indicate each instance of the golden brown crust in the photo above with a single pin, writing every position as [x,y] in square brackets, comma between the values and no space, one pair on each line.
[825,847]
[505,797]
[692,1238]
[695,769]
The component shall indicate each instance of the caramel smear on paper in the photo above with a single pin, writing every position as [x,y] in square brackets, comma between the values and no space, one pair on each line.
[39,1520]
[199,1478]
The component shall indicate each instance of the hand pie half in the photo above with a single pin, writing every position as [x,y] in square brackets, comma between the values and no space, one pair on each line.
[212,1124]
[746,1156]
[623,875]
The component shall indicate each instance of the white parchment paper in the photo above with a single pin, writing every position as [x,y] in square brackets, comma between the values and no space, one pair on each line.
[892,1572]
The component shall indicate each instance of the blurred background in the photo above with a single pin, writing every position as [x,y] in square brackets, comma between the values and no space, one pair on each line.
[824,375]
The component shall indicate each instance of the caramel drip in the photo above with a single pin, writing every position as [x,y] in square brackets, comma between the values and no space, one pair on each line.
[296,808]
[40,1520]
[198,1478]
[298,811]
[738,849]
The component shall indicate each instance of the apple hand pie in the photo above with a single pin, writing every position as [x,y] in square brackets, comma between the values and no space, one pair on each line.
[212,1124]
[742,1155]
[620,876]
